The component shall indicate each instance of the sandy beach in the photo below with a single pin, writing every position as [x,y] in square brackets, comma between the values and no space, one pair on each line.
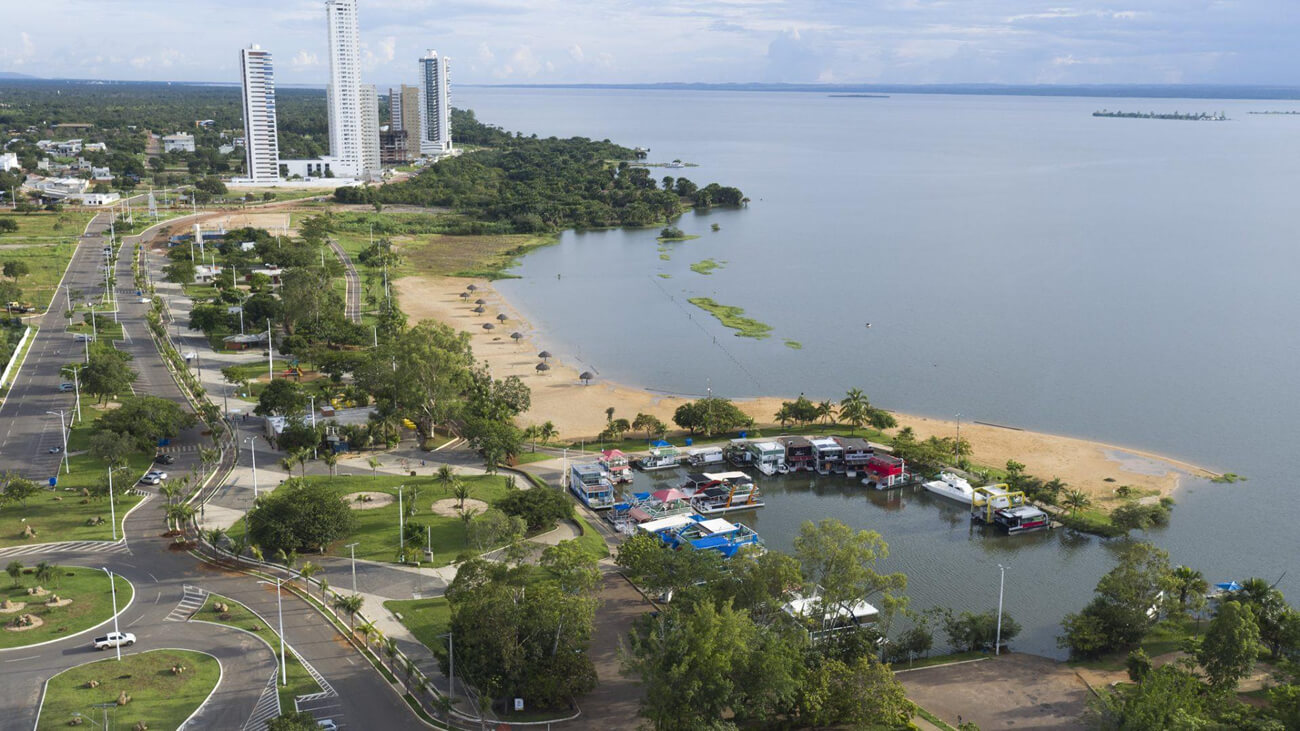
[578,410]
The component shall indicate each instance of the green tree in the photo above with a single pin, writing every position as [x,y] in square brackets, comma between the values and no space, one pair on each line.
[299,515]
[1271,610]
[1170,697]
[843,563]
[111,447]
[293,720]
[710,416]
[1190,586]
[281,397]
[857,693]
[971,631]
[1230,646]
[665,573]
[540,508]
[349,605]
[493,527]
[1125,604]
[107,373]
[650,424]
[16,269]
[826,411]
[574,569]
[855,408]
[422,376]
[145,420]
[19,489]
[15,571]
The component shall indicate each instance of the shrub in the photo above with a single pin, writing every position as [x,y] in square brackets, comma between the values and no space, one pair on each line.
[541,508]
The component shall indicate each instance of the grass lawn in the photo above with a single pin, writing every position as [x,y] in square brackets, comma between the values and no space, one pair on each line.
[92,603]
[591,541]
[103,328]
[376,529]
[46,261]
[426,618]
[159,698]
[47,224]
[299,681]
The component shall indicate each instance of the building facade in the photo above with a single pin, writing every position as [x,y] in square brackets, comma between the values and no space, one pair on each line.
[261,145]
[435,107]
[179,142]
[404,108]
[343,92]
[370,164]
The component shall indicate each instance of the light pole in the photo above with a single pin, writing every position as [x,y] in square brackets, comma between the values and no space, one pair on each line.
[401,524]
[112,511]
[252,451]
[279,610]
[451,661]
[997,645]
[352,550]
[64,431]
[112,584]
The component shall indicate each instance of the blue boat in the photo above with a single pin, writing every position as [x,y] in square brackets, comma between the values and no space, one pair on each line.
[587,482]
[697,533]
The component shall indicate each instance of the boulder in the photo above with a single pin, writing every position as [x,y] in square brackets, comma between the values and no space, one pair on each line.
[123,698]
[92,683]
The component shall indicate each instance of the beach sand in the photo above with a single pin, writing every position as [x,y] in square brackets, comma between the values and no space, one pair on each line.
[578,411]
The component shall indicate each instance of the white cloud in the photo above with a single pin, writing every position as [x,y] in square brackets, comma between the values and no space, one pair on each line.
[304,60]
[525,61]
[575,52]
[29,48]
[485,53]
[388,48]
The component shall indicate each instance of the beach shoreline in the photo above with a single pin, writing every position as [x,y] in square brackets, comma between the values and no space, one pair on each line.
[578,410]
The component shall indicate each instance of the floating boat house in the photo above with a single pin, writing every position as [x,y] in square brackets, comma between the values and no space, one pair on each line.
[828,455]
[798,453]
[856,454]
[704,456]
[587,482]
[767,457]
[885,471]
[662,456]
[616,465]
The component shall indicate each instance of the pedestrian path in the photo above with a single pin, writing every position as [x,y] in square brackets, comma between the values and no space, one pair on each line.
[67,547]
[267,708]
[188,605]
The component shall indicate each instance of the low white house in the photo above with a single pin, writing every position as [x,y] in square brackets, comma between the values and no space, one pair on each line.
[179,142]
[98,199]
[8,161]
[204,273]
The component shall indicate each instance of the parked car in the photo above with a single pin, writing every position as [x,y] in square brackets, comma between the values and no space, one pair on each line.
[164,459]
[149,480]
[156,473]
[82,338]
[65,387]
[54,450]
[113,639]
[328,724]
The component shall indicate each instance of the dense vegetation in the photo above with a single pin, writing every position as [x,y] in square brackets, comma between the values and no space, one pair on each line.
[522,184]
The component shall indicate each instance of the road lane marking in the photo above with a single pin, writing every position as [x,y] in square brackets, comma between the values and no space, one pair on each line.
[20,659]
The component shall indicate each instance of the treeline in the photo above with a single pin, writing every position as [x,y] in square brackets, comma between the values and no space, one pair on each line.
[527,184]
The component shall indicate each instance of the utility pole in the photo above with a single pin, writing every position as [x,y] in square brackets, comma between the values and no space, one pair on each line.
[270,369]
[997,645]
[401,522]
[252,450]
[112,583]
[64,431]
[112,511]
[352,550]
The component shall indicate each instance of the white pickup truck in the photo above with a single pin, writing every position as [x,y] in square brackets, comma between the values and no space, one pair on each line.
[113,639]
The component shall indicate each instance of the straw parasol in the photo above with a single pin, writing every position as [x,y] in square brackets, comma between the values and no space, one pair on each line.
[480,309]
[516,336]
[544,355]
[542,367]
[488,326]
[501,317]
[480,301]
[586,377]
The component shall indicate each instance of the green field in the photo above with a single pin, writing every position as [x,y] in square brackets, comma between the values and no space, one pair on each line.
[159,698]
[376,529]
[734,318]
[92,603]
[46,224]
[298,680]
[426,618]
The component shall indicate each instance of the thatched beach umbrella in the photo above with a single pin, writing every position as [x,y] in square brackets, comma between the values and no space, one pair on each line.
[488,326]
[480,309]
[464,295]
[542,367]
[472,288]
[544,355]
[517,336]
[501,317]
[586,377]
[480,301]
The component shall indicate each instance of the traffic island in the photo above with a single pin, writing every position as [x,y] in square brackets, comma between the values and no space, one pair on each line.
[159,689]
[46,603]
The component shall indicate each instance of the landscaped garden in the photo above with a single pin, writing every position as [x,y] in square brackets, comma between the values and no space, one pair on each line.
[155,690]
[44,602]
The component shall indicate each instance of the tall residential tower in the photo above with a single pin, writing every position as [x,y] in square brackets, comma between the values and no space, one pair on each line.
[404,116]
[435,107]
[344,89]
[261,148]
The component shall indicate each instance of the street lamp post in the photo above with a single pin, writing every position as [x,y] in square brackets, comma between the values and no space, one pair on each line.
[252,451]
[401,524]
[64,431]
[279,610]
[112,511]
[997,646]
[112,584]
[451,679]
[352,549]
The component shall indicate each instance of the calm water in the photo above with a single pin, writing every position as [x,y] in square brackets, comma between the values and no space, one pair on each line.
[1020,262]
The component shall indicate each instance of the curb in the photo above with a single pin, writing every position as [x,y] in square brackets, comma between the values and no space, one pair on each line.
[111,617]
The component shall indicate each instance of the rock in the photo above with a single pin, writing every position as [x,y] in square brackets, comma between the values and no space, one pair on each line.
[58,499]
[76,721]
[92,683]
[29,532]
[123,698]
[54,599]
[36,590]
[140,726]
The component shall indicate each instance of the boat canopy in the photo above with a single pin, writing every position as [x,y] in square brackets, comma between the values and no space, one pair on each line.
[1228,586]
[699,451]
[724,476]
[612,453]
[718,525]
[659,443]
[811,607]
[672,522]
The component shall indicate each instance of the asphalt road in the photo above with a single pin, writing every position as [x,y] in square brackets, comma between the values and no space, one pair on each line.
[169,584]
[352,305]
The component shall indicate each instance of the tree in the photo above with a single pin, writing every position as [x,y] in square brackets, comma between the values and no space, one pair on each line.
[374,464]
[107,373]
[1271,611]
[1125,604]
[1231,645]
[8,226]
[855,408]
[293,720]
[858,693]
[826,411]
[16,269]
[969,632]
[710,416]
[15,571]
[541,508]
[1170,697]
[331,460]
[665,573]
[281,397]
[110,447]
[574,569]
[1075,500]
[349,605]
[44,572]
[1190,585]
[18,489]
[460,490]
[842,562]
[446,477]
[421,376]
[299,515]
[650,424]
[493,527]
[145,420]
[547,432]
[306,571]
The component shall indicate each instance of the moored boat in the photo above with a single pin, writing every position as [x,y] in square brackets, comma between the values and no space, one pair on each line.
[661,457]
[766,457]
[587,482]
[728,491]
[951,486]
[617,467]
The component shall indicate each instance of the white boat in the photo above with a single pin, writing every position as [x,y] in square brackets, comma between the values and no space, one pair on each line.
[951,486]
[662,456]
[704,456]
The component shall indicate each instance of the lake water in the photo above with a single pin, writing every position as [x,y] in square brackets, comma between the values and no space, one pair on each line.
[1020,262]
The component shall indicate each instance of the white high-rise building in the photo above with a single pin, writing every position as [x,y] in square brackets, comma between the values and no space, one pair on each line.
[343,93]
[370,129]
[261,146]
[435,104]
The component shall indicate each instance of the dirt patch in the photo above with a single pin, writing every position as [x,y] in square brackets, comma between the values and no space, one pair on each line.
[614,702]
[35,622]
[13,607]
[1012,691]
[368,500]
[59,603]
[447,507]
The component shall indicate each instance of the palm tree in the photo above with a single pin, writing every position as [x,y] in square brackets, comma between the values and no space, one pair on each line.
[238,546]
[547,432]
[214,536]
[783,416]
[289,557]
[306,571]
[349,605]
[446,477]
[855,407]
[374,466]
[390,649]
[369,631]
[169,490]
[1189,583]
[826,411]
[331,461]
[324,586]
[530,433]
[1075,501]
[180,514]
[460,491]
[300,456]
[287,464]
[208,456]
[256,552]
[15,571]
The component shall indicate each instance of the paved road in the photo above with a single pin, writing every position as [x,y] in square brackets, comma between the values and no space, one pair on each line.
[27,432]
[352,305]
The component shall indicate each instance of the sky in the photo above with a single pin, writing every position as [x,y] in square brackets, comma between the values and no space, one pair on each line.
[645,41]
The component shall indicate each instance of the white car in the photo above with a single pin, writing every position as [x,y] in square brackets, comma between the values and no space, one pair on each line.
[113,639]
[328,724]
[144,300]
[156,473]
[82,337]
[149,480]
[65,387]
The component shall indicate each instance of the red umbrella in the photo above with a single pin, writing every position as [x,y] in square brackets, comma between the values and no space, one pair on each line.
[669,495]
